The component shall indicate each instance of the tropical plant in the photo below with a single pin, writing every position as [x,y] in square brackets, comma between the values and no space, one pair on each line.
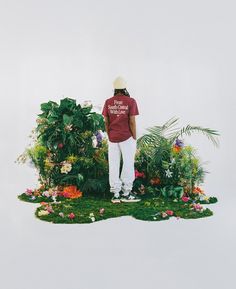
[70,148]
[168,160]
[170,131]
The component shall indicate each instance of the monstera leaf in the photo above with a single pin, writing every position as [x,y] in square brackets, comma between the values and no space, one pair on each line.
[171,191]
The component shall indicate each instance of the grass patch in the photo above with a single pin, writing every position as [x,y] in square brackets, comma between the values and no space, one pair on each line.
[92,209]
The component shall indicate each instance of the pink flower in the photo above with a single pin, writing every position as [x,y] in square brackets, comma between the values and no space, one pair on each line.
[185,199]
[71,216]
[54,193]
[169,212]
[66,194]
[29,192]
[164,215]
[198,207]
[50,209]
[101,211]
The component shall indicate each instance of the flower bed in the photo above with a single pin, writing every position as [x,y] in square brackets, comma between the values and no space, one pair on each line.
[70,153]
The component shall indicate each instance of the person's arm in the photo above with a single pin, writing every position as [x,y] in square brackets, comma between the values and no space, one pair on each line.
[132,125]
[106,118]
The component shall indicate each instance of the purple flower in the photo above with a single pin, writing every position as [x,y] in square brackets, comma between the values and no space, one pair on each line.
[98,136]
[179,143]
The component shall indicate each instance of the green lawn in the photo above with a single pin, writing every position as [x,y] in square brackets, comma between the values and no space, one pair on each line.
[91,209]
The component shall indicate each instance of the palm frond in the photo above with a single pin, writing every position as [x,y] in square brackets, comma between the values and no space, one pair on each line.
[157,133]
[161,130]
[188,130]
[170,131]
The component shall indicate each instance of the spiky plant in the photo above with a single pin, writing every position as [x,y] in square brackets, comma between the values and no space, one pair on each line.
[171,131]
[171,164]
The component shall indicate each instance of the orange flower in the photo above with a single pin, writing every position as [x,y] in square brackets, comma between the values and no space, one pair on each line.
[197,190]
[155,181]
[37,193]
[176,149]
[43,203]
[72,192]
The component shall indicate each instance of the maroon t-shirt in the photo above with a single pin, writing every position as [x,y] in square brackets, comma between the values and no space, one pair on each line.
[118,108]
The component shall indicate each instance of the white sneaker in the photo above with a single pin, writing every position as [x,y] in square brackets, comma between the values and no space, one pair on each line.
[115,199]
[130,198]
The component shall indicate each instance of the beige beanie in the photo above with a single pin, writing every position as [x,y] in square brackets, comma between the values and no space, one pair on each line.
[119,83]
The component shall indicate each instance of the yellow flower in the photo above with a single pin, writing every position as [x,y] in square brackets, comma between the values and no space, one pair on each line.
[72,159]
[43,213]
[48,164]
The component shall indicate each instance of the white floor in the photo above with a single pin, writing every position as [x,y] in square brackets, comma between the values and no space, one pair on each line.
[178,58]
[117,253]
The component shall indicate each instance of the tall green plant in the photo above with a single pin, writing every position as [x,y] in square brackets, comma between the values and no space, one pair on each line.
[64,152]
[169,161]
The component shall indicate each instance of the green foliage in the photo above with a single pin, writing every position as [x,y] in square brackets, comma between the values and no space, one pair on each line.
[162,155]
[171,131]
[64,153]
[171,191]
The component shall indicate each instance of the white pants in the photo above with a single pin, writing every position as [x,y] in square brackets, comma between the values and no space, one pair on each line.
[124,182]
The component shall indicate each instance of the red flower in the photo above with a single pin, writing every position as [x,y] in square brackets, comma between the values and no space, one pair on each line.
[139,174]
[185,199]
[60,145]
[169,212]
[71,216]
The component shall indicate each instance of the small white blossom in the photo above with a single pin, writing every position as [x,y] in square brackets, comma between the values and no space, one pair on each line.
[46,194]
[169,173]
[94,141]
[66,168]
[86,103]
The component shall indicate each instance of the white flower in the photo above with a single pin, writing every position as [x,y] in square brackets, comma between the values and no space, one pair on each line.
[91,216]
[94,141]
[61,214]
[164,215]
[169,173]
[98,107]
[46,194]
[66,168]
[43,213]
[68,127]
[31,164]
[86,103]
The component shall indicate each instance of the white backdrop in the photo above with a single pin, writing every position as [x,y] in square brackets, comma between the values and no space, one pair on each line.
[178,58]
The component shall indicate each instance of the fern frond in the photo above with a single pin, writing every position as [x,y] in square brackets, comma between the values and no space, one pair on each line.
[188,130]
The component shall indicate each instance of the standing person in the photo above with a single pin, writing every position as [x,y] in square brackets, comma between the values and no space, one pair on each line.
[119,113]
